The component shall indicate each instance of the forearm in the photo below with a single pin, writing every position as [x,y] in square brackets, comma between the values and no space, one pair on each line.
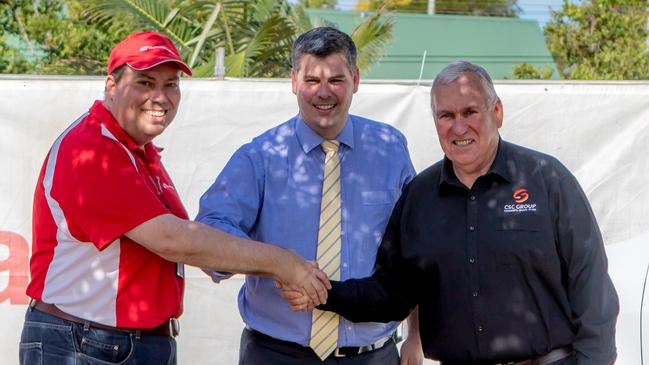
[199,245]
[413,324]
[411,349]
[367,300]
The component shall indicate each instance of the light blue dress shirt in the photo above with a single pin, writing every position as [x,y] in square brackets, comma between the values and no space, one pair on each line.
[270,191]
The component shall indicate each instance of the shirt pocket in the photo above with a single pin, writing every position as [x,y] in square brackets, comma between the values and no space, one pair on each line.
[379,197]
[520,240]
[368,225]
[519,222]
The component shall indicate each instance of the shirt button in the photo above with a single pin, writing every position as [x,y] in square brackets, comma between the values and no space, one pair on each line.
[472,197]
[479,328]
[475,293]
[345,264]
[471,260]
[471,228]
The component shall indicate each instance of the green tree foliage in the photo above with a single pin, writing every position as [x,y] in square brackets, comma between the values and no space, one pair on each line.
[371,37]
[505,8]
[600,39]
[75,37]
[319,4]
[53,37]
[257,34]
[526,71]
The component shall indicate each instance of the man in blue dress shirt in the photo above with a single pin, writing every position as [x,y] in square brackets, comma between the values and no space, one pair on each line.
[271,190]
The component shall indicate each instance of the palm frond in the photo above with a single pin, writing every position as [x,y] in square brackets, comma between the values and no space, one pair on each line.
[266,39]
[257,34]
[149,14]
[371,38]
[170,17]
[204,34]
[301,20]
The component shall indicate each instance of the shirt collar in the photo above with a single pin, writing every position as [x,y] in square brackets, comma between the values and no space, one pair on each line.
[499,167]
[309,139]
[104,116]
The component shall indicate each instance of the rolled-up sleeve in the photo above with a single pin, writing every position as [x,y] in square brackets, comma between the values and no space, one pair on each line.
[232,203]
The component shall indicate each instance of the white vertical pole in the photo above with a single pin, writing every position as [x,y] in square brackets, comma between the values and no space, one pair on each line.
[219,64]
[431,7]
[421,70]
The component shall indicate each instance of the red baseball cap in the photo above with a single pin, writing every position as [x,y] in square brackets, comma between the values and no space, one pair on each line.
[144,50]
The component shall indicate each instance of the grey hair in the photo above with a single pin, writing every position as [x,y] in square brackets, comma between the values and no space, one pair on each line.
[322,42]
[453,71]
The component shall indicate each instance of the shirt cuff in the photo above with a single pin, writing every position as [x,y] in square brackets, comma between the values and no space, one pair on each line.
[335,297]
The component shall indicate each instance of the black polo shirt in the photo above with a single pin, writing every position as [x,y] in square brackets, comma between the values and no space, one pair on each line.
[507,270]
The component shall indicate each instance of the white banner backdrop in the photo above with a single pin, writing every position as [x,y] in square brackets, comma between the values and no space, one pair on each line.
[598,130]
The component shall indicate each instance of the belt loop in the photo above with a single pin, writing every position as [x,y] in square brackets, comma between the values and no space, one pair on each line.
[86,326]
[137,334]
[32,304]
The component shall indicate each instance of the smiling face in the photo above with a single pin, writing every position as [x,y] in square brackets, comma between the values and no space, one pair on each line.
[144,102]
[324,87]
[467,126]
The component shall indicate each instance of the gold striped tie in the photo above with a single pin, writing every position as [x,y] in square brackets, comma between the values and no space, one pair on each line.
[324,325]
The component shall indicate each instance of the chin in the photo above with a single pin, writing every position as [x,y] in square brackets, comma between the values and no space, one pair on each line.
[154,132]
[461,159]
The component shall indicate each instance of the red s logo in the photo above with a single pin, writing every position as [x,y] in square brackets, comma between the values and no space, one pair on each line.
[520,195]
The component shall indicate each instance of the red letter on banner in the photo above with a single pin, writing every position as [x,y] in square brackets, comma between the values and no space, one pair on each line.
[18,266]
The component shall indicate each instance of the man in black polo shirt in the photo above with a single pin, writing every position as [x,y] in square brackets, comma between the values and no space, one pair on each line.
[496,243]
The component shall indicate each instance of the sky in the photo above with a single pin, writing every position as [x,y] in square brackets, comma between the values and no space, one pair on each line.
[538,9]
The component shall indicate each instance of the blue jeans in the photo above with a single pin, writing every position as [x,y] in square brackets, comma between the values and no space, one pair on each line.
[47,339]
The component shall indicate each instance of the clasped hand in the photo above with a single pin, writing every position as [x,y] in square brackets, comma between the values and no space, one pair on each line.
[307,289]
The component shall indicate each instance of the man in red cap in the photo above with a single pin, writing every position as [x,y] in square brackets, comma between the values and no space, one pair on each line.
[110,234]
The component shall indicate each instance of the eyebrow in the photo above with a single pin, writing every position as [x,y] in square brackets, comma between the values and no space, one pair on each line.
[330,77]
[147,76]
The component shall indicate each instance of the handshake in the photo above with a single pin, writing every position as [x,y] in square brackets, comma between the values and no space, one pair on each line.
[304,286]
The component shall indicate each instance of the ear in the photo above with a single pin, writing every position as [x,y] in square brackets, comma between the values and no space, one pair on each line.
[294,80]
[357,79]
[110,85]
[432,103]
[498,113]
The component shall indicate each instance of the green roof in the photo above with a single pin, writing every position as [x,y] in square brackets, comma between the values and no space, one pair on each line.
[497,44]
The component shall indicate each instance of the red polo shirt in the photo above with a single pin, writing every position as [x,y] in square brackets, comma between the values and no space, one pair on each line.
[96,184]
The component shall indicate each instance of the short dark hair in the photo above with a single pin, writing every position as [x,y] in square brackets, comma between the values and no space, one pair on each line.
[322,42]
[118,73]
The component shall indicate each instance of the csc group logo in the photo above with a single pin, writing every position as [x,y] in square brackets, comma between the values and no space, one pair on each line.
[520,196]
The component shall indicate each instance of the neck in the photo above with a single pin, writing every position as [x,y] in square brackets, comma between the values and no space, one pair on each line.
[469,176]
[108,107]
[468,179]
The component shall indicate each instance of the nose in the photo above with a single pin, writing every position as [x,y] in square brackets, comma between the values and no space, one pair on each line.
[159,96]
[460,126]
[323,91]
